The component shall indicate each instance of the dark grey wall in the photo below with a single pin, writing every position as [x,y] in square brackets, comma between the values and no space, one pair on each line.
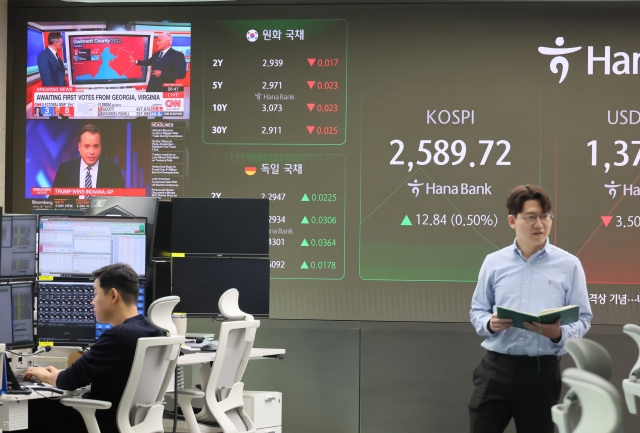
[375,377]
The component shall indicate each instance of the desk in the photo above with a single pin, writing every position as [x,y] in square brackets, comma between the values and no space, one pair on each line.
[15,406]
[202,357]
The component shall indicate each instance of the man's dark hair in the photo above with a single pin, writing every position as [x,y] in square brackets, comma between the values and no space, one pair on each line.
[53,37]
[520,194]
[121,277]
[87,128]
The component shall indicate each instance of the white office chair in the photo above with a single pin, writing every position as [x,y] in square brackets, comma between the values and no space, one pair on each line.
[600,400]
[140,409]
[631,386]
[223,409]
[588,356]
[160,311]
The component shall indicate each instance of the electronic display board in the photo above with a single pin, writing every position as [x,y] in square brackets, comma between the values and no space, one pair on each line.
[387,138]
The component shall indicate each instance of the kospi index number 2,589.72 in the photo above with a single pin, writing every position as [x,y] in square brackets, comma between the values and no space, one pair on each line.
[439,151]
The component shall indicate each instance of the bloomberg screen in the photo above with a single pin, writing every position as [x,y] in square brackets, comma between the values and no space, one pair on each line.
[386,136]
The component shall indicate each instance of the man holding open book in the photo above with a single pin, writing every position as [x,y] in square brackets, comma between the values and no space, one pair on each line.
[519,377]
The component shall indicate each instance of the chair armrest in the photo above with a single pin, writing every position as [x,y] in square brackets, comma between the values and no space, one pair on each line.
[87,409]
[78,403]
[184,401]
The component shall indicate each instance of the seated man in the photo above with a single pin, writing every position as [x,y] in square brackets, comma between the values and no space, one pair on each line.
[107,364]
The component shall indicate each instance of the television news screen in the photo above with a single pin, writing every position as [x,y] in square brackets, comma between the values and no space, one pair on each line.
[200,282]
[73,247]
[106,70]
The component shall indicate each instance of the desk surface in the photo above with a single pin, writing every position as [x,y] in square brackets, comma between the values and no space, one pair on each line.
[191,359]
[199,358]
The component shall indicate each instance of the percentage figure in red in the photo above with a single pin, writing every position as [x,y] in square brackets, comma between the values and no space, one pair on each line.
[310,106]
[311,61]
[311,84]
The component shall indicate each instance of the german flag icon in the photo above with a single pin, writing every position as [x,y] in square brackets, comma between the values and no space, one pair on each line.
[250,170]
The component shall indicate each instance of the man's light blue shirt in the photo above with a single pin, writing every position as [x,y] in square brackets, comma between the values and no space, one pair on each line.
[551,278]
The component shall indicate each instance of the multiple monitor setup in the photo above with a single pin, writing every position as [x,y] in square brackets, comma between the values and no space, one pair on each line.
[71,248]
[226,249]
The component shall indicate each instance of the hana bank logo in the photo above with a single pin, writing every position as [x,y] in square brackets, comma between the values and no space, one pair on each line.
[558,59]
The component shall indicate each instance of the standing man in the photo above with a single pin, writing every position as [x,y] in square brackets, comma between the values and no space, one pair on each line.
[519,377]
[87,170]
[167,64]
[50,64]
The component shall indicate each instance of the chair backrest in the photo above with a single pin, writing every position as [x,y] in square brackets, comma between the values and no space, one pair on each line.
[590,356]
[229,307]
[235,343]
[159,314]
[600,401]
[634,332]
[154,362]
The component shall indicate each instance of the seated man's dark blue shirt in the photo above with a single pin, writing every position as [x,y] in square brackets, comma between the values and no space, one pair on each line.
[107,366]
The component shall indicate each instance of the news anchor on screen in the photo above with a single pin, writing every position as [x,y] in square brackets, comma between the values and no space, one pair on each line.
[167,64]
[88,170]
[50,65]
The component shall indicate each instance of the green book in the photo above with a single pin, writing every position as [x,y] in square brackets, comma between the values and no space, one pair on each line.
[568,314]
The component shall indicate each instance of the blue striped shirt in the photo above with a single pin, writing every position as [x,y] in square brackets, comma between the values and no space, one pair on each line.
[551,278]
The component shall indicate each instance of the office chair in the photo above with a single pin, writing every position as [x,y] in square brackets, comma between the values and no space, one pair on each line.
[631,386]
[588,356]
[140,409]
[223,409]
[159,314]
[600,400]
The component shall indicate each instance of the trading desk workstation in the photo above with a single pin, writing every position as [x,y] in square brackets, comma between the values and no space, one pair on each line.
[46,303]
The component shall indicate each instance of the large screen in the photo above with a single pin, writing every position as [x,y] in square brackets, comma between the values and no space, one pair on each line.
[385,136]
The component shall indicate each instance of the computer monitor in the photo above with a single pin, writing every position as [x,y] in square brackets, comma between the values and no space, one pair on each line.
[65,313]
[201,281]
[18,256]
[74,247]
[128,207]
[221,226]
[16,314]
[162,236]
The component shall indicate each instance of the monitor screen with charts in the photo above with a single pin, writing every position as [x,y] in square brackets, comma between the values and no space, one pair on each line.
[18,256]
[73,247]
[65,313]
[16,314]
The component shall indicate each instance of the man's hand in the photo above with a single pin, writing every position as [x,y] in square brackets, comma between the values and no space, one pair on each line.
[497,325]
[157,73]
[551,331]
[43,374]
